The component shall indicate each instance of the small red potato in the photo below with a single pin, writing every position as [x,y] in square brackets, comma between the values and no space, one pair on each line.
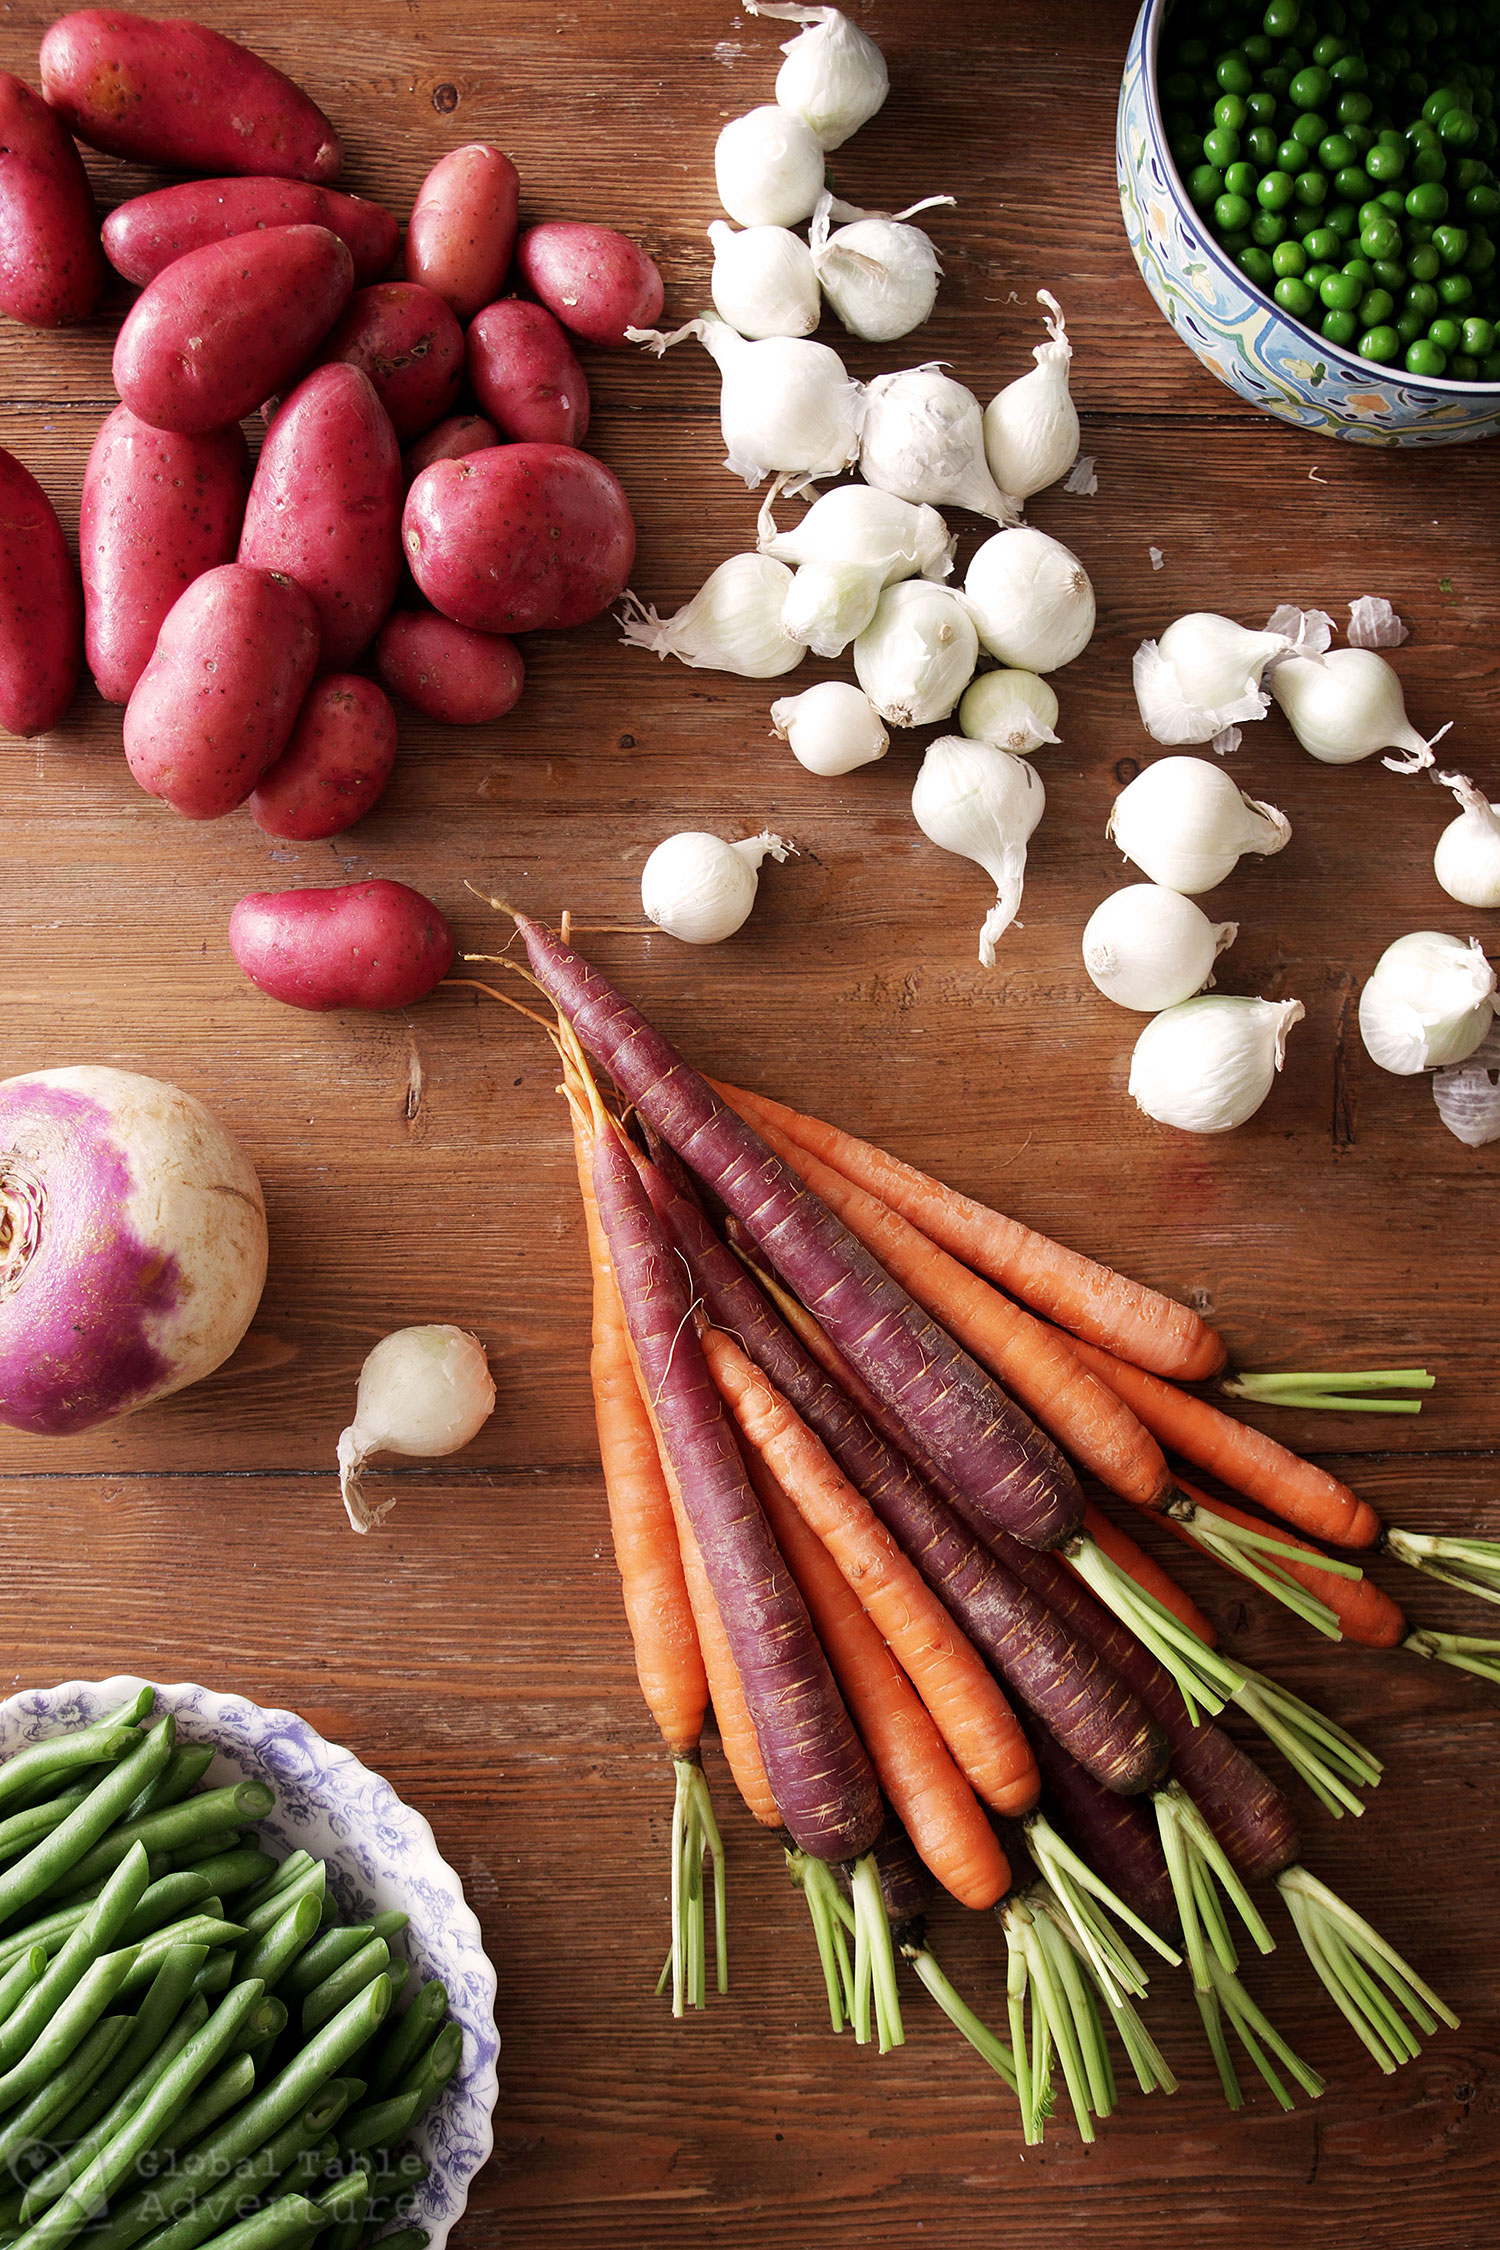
[41,607]
[172,93]
[335,766]
[325,507]
[217,703]
[519,537]
[461,235]
[357,945]
[220,329]
[596,282]
[411,347]
[158,510]
[446,671]
[150,231]
[51,272]
[450,441]
[526,376]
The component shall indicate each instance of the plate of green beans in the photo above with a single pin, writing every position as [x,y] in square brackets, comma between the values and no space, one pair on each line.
[243,2002]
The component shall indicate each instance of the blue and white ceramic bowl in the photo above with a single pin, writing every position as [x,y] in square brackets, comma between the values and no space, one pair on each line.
[380,1855]
[1238,333]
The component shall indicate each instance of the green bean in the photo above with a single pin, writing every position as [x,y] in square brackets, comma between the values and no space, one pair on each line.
[167,1901]
[379,2122]
[271,1955]
[409,2037]
[108,1738]
[161,2009]
[194,1929]
[333,1949]
[49,1862]
[440,2061]
[283,2158]
[267,2023]
[347,2203]
[232,1871]
[409,2238]
[326,1999]
[213,2100]
[176,1826]
[27,1827]
[20,1977]
[61,2173]
[67,2217]
[280,1878]
[311,1884]
[95,1934]
[177,1779]
[217,1972]
[290,2219]
[66,2028]
[92,2055]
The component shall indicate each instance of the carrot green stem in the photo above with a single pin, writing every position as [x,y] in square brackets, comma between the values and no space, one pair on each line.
[1197,1863]
[1146,2058]
[1461,1650]
[874,1960]
[984,2042]
[1473,1565]
[1367,1978]
[1075,1889]
[1259,1556]
[1338,1393]
[1255,2032]
[829,1916]
[1329,1759]
[1206,1679]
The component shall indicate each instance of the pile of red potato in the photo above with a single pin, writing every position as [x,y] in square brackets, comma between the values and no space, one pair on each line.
[226,610]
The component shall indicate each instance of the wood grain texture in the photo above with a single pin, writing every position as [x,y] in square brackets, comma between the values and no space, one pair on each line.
[417,1167]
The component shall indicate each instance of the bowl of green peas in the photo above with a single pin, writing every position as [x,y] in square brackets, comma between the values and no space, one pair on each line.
[1310,189]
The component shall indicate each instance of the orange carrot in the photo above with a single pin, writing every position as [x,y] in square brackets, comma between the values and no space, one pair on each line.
[1089,1299]
[947,1672]
[933,1802]
[1248,1462]
[737,1735]
[1147,1572]
[1364,1613]
[1036,1363]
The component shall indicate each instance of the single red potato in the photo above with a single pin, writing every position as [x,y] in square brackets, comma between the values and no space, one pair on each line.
[335,766]
[461,235]
[169,92]
[41,607]
[157,511]
[217,703]
[447,671]
[325,507]
[220,329]
[519,537]
[358,945]
[596,282]
[150,231]
[411,347]
[526,376]
[51,272]
[449,441]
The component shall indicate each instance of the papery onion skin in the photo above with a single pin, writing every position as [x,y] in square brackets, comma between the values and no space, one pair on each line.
[132,1246]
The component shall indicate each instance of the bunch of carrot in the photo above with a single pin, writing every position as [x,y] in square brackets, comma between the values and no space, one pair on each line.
[838,1449]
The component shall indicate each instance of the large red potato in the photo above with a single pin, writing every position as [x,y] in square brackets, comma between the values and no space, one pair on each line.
[461,235]
[519,537]
[338,760]
[359,945]
[217,703]
[448,441]
[411,347]
[526,376]
[596,282]
[158,510]
[222,328]
[150,231]
[51,271]
[447,671]
[325,507]
[170,92]
[41,607]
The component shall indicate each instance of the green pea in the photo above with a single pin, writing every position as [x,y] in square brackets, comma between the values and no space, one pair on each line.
[1344,220]
[1428,164]
[1351,70]
[1427,201]
[1327,50]
[1376,307]
[1318,272]
[1362,138]
[1240,179]
[1192,54]
[1459,129]
[1323,245]
[1262,105]
[1455,289]
[1354,108]
[1360,270]
[1451,244]
[1234,243]
[1234,74]
[1479,337]
[1481,254]
[1384,162]
[1290,157]
[1409,326]
[1257,264]
[1424,357]
[1421,135]
[1260,146]
[1222,145]
[1309,129]
[1205,186]
[1391,136]
[1231,110]
[1468,173]
[1336,152]
[1232,213]
[1290,260]
[1276,81]
[1436,104]
[1464,366]
[1280,18]
[1391,199]
[1446,334]
[1390,273]
[1489,367]
[1380,237]
[1423,263]
[1382,344]
[1268,229]
[1340,327]
[1310,89]
[1342,293]
[1422,298]
[1294,297]
[1311,189]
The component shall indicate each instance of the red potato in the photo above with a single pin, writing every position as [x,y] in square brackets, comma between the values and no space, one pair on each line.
[150,231]
[358,945]
[157,511]
[170,92]
[519,537]
[446,671]
[596,282]
[217,703]
[325,507]
[51,272]
[526,376]
[411,347]
[461,235]
[41,607]
[450,441]
[221,328]
[335,766]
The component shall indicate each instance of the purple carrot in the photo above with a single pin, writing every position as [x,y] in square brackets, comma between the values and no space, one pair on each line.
[907,1888]
[1062,1680]
[986,1443]
[816,1765]
[1116,1835]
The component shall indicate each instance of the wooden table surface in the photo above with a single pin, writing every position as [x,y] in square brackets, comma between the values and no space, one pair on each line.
[417,1167]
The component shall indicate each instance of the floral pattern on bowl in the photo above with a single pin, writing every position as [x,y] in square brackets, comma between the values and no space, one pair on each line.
[1244,339]
[380,1855]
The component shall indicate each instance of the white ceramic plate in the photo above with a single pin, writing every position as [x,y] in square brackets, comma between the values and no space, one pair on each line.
[380,1855]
